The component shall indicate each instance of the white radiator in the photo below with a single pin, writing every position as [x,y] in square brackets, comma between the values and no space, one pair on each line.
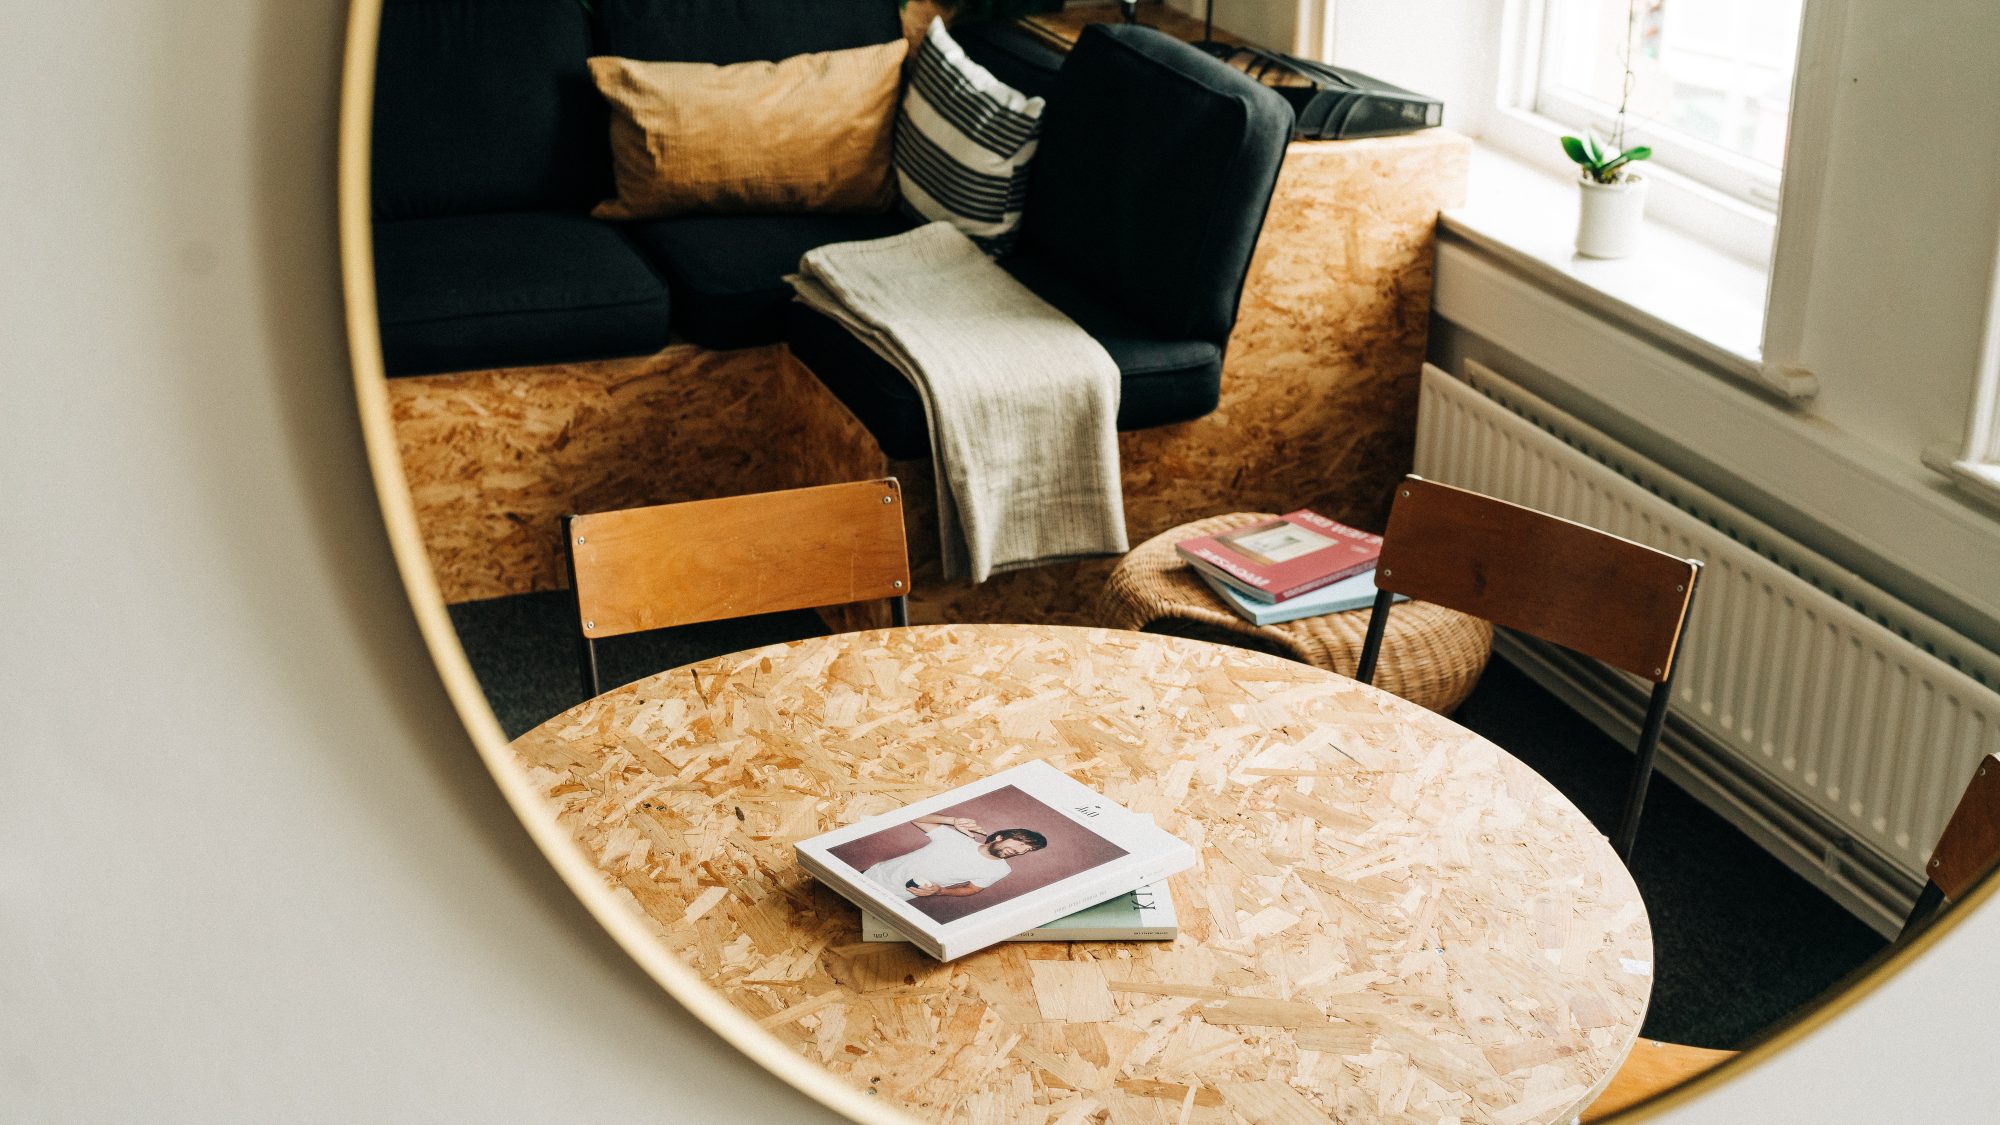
[1849,720]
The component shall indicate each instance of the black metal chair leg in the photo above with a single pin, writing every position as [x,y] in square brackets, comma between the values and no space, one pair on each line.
[586,652]
[1371,645]
[1928,902]
[899,611]
[1642,769]
[587,666]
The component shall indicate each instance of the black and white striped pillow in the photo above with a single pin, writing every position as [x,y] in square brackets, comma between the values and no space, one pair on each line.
[963,142]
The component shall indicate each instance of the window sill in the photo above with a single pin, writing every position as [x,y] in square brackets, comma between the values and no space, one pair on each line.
[1978,481]
[1676,291]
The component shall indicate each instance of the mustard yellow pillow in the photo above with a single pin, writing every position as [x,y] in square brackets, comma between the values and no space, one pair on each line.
[809,133]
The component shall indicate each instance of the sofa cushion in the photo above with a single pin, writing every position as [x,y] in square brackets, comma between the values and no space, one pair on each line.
[964,140]
[1155,169]
[467,292]
[728,272]
[820,127]
[1162,380]
[733,31]
[485,105]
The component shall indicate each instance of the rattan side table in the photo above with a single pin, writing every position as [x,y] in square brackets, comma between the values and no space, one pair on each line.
[1431,655]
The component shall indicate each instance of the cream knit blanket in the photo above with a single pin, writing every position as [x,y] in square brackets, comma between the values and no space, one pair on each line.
[1022,404]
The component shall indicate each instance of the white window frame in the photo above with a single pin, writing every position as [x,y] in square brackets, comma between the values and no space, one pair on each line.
[1739,217]
[1975,465]
[1733,175]
[1729,174]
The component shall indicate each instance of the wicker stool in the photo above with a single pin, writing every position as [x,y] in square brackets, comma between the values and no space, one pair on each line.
[1431,655]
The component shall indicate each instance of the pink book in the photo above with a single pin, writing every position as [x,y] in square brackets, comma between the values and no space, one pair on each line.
[1285,557]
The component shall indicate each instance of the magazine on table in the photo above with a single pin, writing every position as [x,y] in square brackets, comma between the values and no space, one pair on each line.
[1283,558]
[1146,914]
[976,865]
[1356,591]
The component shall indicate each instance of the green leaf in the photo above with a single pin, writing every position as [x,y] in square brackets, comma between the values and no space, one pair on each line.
[1597,157]
[1573,148]
[1637,152]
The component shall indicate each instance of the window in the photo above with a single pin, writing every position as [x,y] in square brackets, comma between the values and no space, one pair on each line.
[1711,88]
[1976,464]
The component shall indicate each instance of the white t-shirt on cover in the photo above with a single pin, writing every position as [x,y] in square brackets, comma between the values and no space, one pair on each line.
[950,858]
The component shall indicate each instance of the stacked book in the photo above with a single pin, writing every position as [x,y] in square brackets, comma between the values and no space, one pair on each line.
[1299,565]
[1028,854]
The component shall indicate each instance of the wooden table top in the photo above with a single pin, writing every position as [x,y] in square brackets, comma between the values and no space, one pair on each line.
[1391,919]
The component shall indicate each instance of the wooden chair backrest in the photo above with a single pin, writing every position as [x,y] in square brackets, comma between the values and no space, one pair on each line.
[1606,597]
[1970,846]
[707,560]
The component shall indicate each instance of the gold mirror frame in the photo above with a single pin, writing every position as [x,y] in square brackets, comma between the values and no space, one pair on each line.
[565,854]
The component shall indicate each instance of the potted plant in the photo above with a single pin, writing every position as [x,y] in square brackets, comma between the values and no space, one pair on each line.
[1614,196]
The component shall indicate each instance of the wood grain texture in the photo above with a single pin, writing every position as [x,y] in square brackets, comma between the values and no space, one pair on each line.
[1318,407]
[1970,844]
[1390,920]
[1653,1067]
[707,560]
[495,459]
[1608,598]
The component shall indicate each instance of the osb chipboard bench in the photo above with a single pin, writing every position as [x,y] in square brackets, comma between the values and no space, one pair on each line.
[1390,919]
[1317,407]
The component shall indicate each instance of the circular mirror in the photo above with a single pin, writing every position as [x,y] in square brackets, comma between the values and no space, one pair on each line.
[524,355]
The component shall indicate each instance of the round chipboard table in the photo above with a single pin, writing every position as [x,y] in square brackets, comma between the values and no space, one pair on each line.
[1391,919]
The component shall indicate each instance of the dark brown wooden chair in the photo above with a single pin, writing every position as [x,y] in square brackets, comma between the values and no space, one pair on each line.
[1968,849]
[707,560]
[1965,852]
[1620,602]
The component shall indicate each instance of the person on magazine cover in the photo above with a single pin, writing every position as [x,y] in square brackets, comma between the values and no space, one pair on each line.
[961,858]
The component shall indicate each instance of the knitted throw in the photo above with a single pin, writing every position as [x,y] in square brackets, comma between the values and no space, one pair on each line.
[1022,403]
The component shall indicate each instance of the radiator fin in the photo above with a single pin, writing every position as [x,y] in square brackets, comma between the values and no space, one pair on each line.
[1851,701]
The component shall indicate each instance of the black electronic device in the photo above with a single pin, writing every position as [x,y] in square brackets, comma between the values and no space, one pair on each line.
[1331,102]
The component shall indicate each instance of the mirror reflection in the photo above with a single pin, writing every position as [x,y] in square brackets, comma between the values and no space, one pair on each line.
[710,326]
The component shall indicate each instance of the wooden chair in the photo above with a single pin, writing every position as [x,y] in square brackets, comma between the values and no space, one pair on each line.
[1965,852]
[708,560]
[1620,602]
[1968,849]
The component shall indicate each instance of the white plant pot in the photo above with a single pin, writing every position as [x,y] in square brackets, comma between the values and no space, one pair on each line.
[1608,224]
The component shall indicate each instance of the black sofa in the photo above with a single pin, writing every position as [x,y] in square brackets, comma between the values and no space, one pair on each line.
[491,145]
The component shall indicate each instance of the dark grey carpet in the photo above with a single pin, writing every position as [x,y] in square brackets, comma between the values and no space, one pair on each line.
[1739,941]
[523,649]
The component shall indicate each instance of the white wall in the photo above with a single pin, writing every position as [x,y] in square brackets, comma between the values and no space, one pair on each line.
[1435,47]
[1444,48]
[1267,23]
[1910,224]
[249,868]
[1918,1051]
